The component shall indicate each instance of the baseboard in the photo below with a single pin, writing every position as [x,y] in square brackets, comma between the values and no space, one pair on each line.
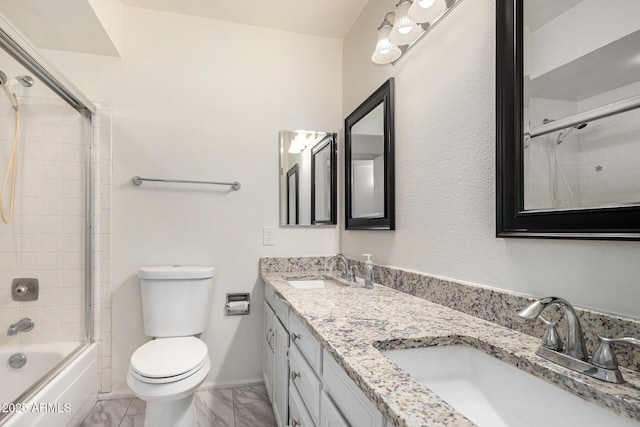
[207,385]
[212,385]
[116,394]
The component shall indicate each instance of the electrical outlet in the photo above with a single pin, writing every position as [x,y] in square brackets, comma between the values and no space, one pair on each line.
[268,238]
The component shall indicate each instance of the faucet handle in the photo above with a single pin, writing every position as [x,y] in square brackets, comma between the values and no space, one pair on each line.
[551,338]
[605,357]
[352,273]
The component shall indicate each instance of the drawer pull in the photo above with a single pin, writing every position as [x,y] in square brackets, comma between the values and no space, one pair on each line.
[294,423]
[294,375]
[295,337]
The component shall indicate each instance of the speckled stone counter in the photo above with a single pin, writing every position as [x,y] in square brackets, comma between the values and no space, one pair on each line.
[353,324]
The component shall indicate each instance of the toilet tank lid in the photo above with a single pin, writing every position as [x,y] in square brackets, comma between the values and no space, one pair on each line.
[172,272]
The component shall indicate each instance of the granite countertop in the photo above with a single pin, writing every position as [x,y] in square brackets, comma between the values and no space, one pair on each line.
[353,324]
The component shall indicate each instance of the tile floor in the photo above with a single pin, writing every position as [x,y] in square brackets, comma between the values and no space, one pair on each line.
[227,407]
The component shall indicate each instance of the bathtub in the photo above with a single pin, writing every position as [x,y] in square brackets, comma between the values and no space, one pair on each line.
[64,400]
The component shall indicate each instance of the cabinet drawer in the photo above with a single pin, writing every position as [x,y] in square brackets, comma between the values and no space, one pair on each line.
[305,382]
[281,307]
[350,400]
[299,417]
[306,343]
[330,416]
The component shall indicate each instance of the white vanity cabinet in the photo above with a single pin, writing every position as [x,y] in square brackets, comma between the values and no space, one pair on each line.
[276,356]
[331,416]
[330,397]
[355,407]
[306,386]
[268,350]
[305,359]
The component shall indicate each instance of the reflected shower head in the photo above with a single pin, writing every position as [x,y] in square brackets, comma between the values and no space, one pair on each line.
[562,135]
[27,81]
[8,86]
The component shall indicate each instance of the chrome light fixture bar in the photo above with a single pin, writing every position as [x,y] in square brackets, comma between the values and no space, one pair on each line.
[411,21]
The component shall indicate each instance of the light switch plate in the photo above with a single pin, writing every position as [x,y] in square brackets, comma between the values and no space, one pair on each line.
[268,238]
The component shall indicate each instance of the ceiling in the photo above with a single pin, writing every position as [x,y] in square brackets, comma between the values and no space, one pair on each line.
[327,18]
[610,67]
[539,12]
[74,25]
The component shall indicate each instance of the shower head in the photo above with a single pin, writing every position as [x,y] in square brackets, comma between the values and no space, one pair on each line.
[27,81]
[562,135]
[9,87]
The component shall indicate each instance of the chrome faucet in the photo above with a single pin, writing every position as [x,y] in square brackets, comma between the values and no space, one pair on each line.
[574,341]
[22,325]
[347,271]
[573,355]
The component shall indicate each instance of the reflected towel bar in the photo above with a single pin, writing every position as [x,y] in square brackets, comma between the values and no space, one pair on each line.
[137,180]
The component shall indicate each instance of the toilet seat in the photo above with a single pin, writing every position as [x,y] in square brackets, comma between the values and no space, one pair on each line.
[165,360]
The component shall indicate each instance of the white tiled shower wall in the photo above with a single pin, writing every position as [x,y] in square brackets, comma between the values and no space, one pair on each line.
[601,162]
[45,239]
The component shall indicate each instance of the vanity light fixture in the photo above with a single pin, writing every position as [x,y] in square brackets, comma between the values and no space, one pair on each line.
[405,30]
[427,10]
[410,23]
[386,51]
[303,139]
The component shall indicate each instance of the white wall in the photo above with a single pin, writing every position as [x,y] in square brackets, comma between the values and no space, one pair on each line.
[445,172]
[202,99]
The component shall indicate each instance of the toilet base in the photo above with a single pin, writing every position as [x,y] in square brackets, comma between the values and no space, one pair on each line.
[169,404]
[171,413]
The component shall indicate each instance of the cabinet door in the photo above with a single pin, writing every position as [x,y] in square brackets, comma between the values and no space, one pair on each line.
[329,414]
[268,356]
[354,406]
[281,374]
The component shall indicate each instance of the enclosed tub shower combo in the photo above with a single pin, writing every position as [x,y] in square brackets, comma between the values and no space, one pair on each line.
[50,365]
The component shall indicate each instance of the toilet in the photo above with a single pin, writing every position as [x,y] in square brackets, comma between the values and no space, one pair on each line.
[166,371]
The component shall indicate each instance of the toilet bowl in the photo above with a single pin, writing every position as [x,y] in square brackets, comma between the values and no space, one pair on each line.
[166,371]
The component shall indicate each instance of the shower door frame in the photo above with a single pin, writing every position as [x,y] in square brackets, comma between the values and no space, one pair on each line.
[24,52]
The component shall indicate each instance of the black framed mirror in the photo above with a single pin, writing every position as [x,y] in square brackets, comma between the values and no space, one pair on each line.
[323,181]
[369,163]
[293,195]
[567,121]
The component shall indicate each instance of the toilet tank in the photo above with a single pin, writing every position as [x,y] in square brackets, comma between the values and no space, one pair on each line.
[176,300]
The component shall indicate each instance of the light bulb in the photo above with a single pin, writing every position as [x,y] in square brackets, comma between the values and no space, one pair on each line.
[386,52]
[427,10]
[426,3]
[405,30]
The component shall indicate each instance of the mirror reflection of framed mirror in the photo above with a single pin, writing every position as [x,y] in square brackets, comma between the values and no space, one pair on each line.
[308,178]
[568,119]
[369,163]
[293,196]
[323,179]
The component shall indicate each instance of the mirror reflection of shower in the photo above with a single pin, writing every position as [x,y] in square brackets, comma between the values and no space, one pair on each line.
[9,87]
[555,166]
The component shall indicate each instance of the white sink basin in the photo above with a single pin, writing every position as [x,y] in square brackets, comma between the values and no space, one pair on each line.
[307,284]
[492,393]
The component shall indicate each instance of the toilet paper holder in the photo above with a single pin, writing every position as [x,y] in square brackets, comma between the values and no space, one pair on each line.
[238,304]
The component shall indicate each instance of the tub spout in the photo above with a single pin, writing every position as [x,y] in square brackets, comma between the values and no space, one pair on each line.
[22,325]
